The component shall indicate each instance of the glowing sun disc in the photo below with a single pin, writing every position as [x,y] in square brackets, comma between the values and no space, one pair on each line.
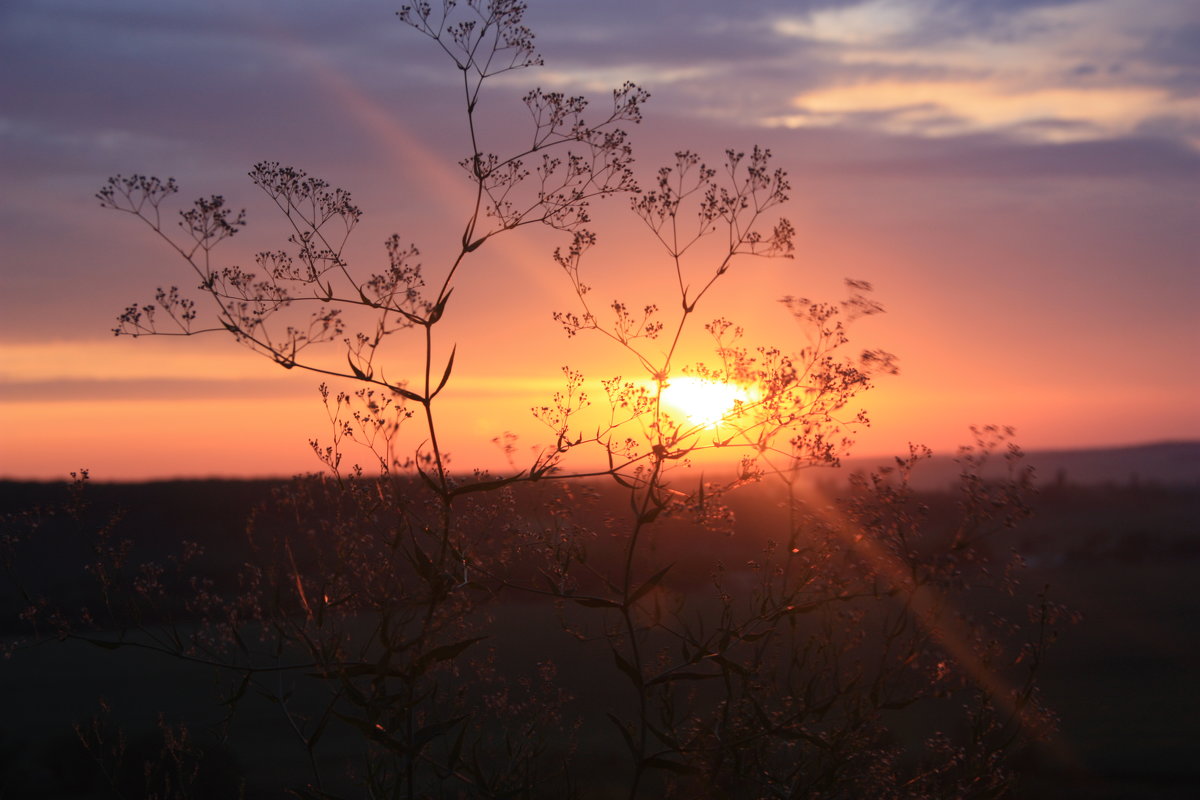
[704,403]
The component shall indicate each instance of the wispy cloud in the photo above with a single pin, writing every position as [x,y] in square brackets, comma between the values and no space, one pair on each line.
[1040,70]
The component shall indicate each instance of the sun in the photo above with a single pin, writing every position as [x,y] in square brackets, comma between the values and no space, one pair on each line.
[704,402]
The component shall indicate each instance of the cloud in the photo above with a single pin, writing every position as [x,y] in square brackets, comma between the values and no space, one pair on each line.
[902,68]
[938,108]
[225,79]
[997,158]
[1176,51]
[1038,70]
[75,390]
[219,79]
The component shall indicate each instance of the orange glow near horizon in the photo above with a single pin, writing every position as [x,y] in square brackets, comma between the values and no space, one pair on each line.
[989,309]
[155,409]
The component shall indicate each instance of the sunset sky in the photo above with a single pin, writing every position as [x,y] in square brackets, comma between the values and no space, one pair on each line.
[1018,179]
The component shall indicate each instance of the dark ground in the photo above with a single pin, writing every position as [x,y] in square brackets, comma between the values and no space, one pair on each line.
[1123,680]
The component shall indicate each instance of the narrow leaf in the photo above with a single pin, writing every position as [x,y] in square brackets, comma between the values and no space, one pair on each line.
[625,734]
[456,749]
[241,690]
[669,677]
[430,732]
[436,313]
[421,562]
[363,725]
[725,662]
[428,480]
[658,762]
[594,602]
[358,373]
[316,734]
[649,516]
[445,652]
[407,395]
[650,583]
[446,374]
[362,670]
[629,670]
[107,645]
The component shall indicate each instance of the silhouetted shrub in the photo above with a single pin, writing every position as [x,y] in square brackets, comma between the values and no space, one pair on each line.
[534,634]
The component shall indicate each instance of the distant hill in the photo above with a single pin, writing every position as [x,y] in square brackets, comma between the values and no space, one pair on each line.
[1167,464]
[1163,464]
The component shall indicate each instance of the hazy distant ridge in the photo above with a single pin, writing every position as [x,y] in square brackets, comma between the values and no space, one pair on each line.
[1164,463]
[1169,464]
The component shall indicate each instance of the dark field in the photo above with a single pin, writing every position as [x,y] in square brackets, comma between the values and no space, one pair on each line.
[1123,679]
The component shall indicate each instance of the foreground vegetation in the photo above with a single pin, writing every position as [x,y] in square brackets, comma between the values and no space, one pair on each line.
[1119,679]
[557,629]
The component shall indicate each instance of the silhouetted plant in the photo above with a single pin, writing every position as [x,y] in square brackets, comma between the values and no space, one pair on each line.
[782,671]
